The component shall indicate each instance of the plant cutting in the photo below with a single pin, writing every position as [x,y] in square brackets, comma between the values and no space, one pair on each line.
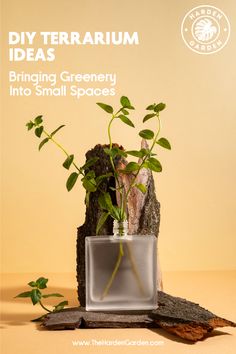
[118,210]
[36,295]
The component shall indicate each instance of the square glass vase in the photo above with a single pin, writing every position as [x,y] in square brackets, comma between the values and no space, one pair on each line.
[121,272]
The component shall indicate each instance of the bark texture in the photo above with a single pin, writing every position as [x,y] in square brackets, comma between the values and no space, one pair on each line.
[175,315]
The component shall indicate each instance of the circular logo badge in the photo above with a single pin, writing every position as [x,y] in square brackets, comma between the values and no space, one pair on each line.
[205,29]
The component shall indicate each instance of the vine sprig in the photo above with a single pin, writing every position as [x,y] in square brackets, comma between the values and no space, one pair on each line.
[89,182]
[37,296]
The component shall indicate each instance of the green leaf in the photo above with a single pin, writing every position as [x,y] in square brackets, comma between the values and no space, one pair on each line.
[148,116]
[101,202]
[125,102]
[145,152]
[33,284]
[151,107]
[105,202]
[67,163]
[38,131]
[30,125]
[44,141]
[89,184]
[120,152]
[25,294]
[126,120]
[60,306]
[159,107]
[132,166]
[106,107]
[90,162]
[52,295]
[101,221]
[35,296]
[41,282]
[124,111]
[164,143]
[146,134]
[38,120]
[71,181]
[116,212]
[89,175]
[108,151]
[55,131]
[100,178]
[141,187]
[135,153]
[108,201]
[114,152]
[154,164]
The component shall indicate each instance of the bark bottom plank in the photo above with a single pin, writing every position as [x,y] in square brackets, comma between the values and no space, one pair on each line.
[174,314]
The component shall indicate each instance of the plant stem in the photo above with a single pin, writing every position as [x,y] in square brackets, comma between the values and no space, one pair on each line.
[134,268]
[112,162]
[44,307]
[65,152]
[122,196]
[143,161]
[110,142]
[110,281]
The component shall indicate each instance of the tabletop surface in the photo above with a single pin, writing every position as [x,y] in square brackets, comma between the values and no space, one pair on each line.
[213,290]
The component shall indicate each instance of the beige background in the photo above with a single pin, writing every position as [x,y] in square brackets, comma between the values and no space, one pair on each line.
[197,186]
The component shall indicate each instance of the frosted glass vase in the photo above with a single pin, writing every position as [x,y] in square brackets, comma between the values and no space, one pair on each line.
[121,271]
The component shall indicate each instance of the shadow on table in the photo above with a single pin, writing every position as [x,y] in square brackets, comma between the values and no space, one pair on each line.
[16,319]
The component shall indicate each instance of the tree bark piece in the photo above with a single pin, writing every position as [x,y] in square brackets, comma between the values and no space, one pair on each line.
[175,315]
[143,209]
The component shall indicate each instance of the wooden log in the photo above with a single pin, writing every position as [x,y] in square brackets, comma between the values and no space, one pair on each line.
[143,209]
[174,314]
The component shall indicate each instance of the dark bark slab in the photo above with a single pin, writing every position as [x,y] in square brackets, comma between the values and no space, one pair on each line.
[143,209]
[175,315]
